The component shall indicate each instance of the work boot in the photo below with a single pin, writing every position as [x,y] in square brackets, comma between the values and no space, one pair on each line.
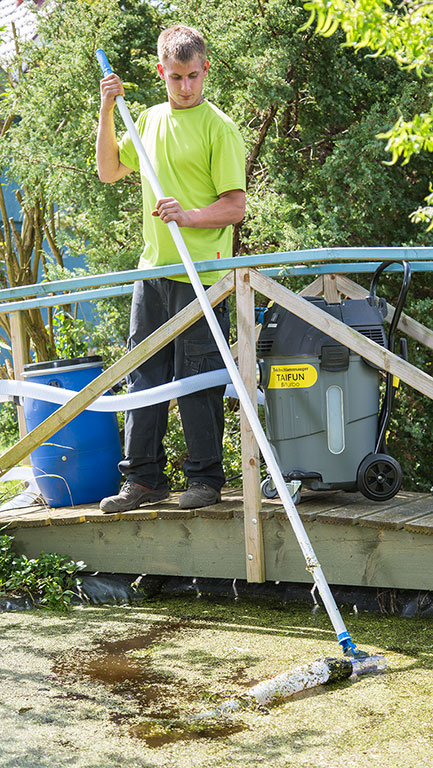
[131,496]
[199,495]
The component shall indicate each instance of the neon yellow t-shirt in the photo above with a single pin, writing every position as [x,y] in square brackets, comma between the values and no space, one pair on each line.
[197,154]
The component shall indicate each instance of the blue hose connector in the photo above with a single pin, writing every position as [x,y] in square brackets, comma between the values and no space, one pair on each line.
[347,643]
[103,62]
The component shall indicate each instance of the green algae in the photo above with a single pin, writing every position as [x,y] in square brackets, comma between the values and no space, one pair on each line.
[170,659]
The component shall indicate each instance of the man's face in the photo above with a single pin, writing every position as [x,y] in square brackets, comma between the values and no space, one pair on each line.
[184,81]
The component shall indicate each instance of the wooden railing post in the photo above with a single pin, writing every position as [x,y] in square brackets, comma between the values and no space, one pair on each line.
[255,556]
[19,358]
[330,289]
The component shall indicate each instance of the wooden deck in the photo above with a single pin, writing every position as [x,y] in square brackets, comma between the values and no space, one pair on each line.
[358,542]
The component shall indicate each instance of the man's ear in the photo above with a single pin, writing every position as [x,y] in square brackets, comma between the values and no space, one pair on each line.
[206,67]
[160,69]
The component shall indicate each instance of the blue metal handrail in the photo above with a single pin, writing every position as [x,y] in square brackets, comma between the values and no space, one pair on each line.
[290,263]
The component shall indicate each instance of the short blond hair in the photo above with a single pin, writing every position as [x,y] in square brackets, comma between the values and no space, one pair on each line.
[182,44]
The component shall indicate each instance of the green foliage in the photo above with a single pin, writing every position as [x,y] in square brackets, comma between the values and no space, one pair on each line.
[50,580]
[402,32]
[232,460]
[70,334]
[9,433]
[424,214]
[49,149]
[6,557]
[409,137]
[310,110]
[11,488]
[175,449]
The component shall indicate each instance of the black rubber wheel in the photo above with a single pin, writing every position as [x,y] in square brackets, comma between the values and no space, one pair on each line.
[296,498]
[379,477]
[267,490]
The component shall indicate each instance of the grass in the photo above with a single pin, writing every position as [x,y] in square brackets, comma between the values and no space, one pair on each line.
[9,489]
[113,687]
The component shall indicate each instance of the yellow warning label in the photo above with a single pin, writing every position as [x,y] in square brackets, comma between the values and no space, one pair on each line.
[292,376]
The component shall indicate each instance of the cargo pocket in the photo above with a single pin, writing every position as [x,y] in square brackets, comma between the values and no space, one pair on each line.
[200,357]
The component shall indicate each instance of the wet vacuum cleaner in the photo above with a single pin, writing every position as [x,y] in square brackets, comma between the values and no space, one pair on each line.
[325,419]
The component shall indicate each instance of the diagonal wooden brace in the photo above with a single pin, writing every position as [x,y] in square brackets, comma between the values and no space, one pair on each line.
[148,347]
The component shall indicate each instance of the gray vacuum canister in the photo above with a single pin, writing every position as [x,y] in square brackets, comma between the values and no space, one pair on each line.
[321,399]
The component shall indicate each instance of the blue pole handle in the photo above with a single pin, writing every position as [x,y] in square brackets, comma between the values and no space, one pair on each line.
[103,62]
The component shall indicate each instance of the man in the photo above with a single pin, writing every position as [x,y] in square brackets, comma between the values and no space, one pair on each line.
[198,156]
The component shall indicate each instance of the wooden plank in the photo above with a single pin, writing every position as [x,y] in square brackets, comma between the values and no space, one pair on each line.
[268,506]
[396,517]
[35,521]
[112,375]
[72,519]
[330,289]
[10,514]
[357,506]
[139,514]
[265,513]
[217,512]
[99,517]
[357,556]
[313,504]
[350,555]
[365,347]
[209,547]
[168,547]
[6,526]
[234,348]
[313,289]
[423,524]
[176,514]
[254,548]
[406,324]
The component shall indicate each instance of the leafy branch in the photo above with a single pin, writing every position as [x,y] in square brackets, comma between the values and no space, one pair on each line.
[50,580]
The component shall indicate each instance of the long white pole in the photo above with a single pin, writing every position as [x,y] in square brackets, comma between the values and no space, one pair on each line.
[313,566]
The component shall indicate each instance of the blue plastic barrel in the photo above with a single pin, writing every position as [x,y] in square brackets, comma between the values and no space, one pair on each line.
[78,464]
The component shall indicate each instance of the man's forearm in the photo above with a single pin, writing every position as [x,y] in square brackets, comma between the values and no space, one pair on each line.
[107,150]
[221,213]
[228,209]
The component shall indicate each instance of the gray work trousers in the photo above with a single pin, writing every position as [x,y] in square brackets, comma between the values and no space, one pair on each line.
[202,413]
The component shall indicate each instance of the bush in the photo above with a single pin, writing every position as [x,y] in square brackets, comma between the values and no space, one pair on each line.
[9,433]
[50,580]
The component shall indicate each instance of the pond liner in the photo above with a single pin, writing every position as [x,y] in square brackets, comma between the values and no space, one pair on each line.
[121,589]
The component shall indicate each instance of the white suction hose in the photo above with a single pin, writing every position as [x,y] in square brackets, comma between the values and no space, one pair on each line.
[129,402]
[10,388]
[313,566]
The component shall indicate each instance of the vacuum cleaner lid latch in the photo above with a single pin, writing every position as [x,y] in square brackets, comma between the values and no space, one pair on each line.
[334,357]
